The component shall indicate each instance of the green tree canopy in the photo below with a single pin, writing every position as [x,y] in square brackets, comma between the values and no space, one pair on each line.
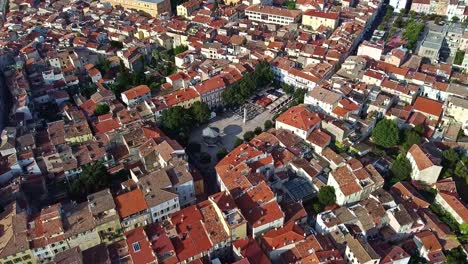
[268,124]
[326,195]
[180,49]
[288,89]
[200,112]
[237,93]
[177,121]
[450,157]
[93,178]
[249,135]
[401,169]
[101,109]
[221,153]
[194,147]
[411,137]
[258,130]
[412,31]
[459,57]
[205,158]
[237,142]
[455,256]
[386,133]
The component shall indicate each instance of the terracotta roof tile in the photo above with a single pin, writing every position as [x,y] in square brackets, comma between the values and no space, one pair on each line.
[130,203]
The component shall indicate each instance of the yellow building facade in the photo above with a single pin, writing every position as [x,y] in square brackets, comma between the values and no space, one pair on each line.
[152,7]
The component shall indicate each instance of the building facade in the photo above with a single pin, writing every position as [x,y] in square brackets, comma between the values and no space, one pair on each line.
[152,7]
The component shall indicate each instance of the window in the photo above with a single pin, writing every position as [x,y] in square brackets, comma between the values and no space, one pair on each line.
[136,246]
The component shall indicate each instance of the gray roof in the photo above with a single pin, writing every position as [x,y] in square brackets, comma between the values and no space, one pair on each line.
[458,89]
[154,187]
[362,251]
[101,201]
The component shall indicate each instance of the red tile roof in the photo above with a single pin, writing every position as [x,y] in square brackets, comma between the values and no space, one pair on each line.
[428,106]
[250,249]
[180,96]
[319,138]
[139,246]
[130,203]
[456,205]
[209,85]
[299,117]
[278,238]
[137,91]
[420,157]
[107,125]
[327,15]
[259,206]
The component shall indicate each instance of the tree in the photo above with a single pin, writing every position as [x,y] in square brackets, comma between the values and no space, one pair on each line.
[103,65]
[237,142]
[326,195]
[138,78]
[455,19]
[194,147]
[298,96]
[249,135]
[122,82]
[200,112]
[176,121]
[221,153]
[411,137]
[401,169]
[268,124]
[101,109]
[94,177]
[237,93]
[459,56]
[450,157]
[180,49]
[258,130]
[399,22]
[205,158]
[155,87]
[116,44]
[461,171]
[290,4]
[419,129]
[463,237]
[412,31]
[385,133]
[456,255]
[288,89]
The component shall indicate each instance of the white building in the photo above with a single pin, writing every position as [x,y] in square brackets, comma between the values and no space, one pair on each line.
[299,120]
[211,91]
[452,204]
[321,99]
[348,187]
[136,95]
[272,15]
[429,247]
[424,166]
[161,201]
[371,50]
[359,251]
